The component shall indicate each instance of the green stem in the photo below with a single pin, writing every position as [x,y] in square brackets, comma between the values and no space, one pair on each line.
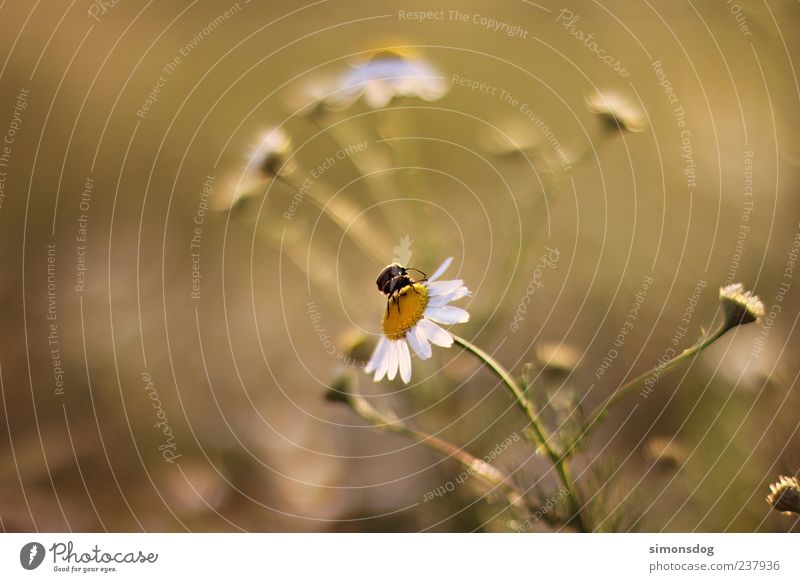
[482,470]
[559,460]
[628,387]
[593,147]
[345,215]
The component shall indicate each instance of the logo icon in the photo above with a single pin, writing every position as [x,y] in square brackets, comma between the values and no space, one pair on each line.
[31,555]
[402,252]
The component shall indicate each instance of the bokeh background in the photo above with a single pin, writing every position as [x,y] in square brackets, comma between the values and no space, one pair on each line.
[284,304]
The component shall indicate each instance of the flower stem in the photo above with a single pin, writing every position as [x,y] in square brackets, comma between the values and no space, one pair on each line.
[559,460]
[628,387]
[482,470]
[346,216]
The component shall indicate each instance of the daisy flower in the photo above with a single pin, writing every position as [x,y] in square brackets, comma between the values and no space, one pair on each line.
[740,306]
[385,76]
[412,319]
[268,156]
[617,111]
[270,153]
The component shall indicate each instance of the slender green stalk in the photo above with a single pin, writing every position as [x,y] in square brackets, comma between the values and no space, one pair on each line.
[345,214]
[371,165]
[628,387]
[482,470]
[593,148]
[559,460]
[521,400]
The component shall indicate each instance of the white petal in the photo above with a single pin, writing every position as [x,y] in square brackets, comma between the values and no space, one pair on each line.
[458,293]
[405,362]
[433,90]
[445,298]
[435,334]
[442,268]
[383,365]
[377,355]
[378,93]
[440,287]
[394,358]
[419,342]
[447,314]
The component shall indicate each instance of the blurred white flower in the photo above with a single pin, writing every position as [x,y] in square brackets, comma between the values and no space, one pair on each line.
[617,111]
[411,320]
[386,76]
[508,137]
[267,157]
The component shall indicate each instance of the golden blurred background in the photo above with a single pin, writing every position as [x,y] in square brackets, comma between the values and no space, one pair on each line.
[166,354]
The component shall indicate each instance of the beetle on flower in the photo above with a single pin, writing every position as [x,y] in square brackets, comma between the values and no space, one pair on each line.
[412,319]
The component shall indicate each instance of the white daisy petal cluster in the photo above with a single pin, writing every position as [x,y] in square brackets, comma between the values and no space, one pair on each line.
[412,319]
[385,76]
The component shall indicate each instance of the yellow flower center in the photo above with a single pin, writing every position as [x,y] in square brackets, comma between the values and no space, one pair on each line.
[405,310]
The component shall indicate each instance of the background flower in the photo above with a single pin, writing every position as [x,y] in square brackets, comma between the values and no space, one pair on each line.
[386,76]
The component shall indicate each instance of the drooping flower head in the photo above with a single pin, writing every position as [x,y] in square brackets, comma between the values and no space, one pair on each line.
[785,496]
[412,319]
[387,75]
[507,137]
[739,306]
[617,111]
[268,156]
[665,452]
